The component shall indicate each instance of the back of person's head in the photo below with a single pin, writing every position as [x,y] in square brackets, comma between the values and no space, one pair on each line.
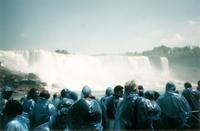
[156,94]
[140,90]
[85,112]
[55,95]
[65,93]
[7,92]
[109,91]
[130,86]
[140,87]
[198,83]
[149,95]
[170,87]
[73,95]
[13,108]
[45,94]
[33,93]
[187,85]
[118,91]
[86,92]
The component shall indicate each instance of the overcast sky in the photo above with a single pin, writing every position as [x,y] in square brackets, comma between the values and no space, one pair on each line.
[98,26]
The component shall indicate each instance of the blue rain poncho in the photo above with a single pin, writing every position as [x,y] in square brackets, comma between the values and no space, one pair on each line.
[136,112]
[19,123]
[42,111]
[111,104]
[175,109]
[125,114]
[85,114]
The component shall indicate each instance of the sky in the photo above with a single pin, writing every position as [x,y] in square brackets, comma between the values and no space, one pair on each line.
[98,26]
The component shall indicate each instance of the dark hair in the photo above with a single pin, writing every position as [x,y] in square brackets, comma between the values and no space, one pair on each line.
[65,92]
[55,95]
[140,87]
[13,108]
[156,94]
[198,82]
[187,85]
[141,90]
[149,95]
[118,88]
[45,94]
[32,94]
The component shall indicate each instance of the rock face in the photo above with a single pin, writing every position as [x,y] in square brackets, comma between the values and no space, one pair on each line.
[20,82]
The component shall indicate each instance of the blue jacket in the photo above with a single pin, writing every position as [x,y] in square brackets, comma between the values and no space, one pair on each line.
[19,123]
[175,110]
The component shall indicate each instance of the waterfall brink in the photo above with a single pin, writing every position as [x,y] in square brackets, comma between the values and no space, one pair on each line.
[74,71]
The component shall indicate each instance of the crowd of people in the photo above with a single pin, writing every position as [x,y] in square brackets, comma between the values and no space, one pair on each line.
[128,107]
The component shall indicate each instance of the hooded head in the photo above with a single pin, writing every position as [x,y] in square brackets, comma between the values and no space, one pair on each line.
[170,87]
[109,91]
[86,92]
[73,95]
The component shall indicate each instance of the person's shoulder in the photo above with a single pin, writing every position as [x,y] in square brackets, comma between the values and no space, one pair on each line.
[103,99]
[178,97]
[109,98]
[30,101]
[161,97]
[13,123]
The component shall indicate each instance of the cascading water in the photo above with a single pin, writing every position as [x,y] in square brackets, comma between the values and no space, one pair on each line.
[165,66]
[164,63]
[74,71]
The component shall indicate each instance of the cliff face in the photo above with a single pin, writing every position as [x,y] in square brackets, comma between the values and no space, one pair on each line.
[20,82]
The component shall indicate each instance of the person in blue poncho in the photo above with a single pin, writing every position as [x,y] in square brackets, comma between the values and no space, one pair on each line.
[134,112]
[111,104]
[6,94]
[43,109]
[86,113]
[16,120]
[175,110]
[108,93]
[192,96]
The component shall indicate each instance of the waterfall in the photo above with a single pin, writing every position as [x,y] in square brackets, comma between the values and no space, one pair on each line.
[164,63]
[75,71]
